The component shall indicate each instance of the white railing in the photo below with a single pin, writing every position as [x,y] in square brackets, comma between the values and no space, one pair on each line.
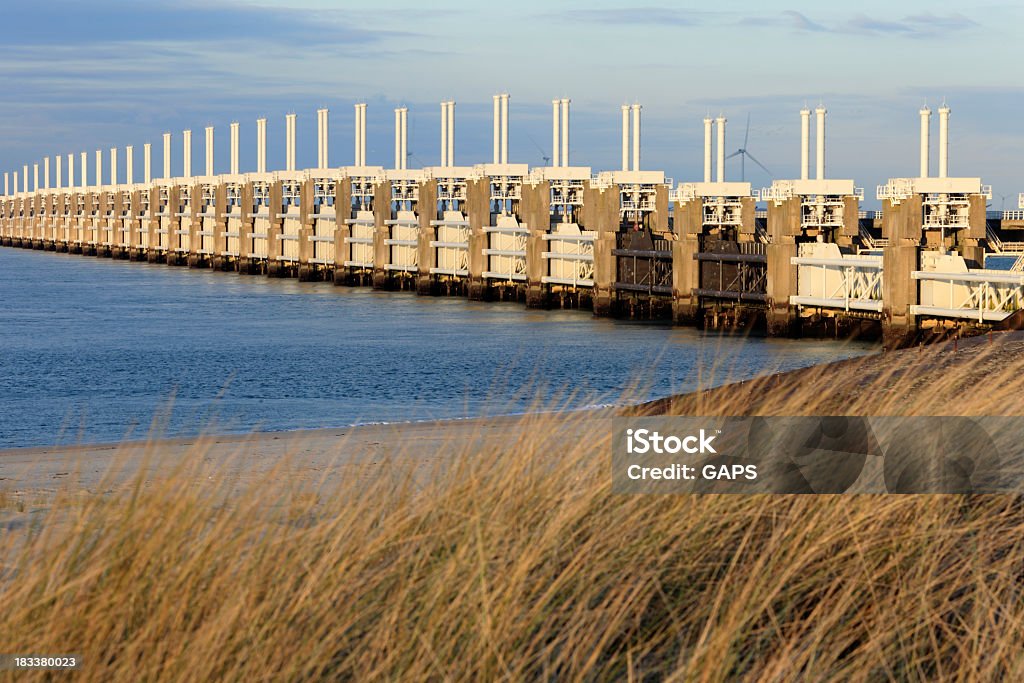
[948,289]
[827,278]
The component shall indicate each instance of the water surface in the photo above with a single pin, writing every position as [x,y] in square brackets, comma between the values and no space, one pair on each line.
[91,349]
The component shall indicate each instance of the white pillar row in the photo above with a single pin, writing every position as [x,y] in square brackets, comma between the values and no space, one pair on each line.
[71,170]
[209,151]
[187,146]
[147,163]
[708,122]
[59,163]
[943,141]
[720,171]
[805,144]
[167,155]
[820,146]
[261,145]
[625,137]
[565,131]
[46,173]
[35,177]
[129,165]
[234,148]
[84,165]
[556,138]
[926,115]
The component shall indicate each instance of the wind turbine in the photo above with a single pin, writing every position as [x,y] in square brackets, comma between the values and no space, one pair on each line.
[743,154]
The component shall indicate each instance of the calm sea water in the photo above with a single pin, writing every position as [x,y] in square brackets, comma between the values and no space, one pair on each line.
[92,349]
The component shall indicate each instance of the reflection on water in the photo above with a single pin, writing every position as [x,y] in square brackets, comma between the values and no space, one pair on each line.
[92,348]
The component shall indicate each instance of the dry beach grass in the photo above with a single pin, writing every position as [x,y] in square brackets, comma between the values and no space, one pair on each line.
[510,559]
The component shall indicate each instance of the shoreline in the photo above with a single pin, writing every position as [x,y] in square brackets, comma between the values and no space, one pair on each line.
[890,376]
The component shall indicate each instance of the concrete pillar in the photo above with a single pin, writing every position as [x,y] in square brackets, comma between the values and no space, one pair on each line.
[426,212]
[685,267]
[220,227]
[478,200]
[535,209]
[782,319]
[903,221]
[134,223]
[152,221]
[748,226]
[381,232]
[784,219]
[851,222]
[899,293]
[601,213]
[275,230]
[173,223]
[245,227]
[306,269]
[658,220]
[195,259]
[343,210]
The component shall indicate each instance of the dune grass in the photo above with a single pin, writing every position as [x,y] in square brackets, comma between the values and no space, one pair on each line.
[518,563]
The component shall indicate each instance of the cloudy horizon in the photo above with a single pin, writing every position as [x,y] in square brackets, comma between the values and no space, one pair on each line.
[85,77]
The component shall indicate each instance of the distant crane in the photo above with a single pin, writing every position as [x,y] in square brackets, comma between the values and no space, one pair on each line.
[743,154]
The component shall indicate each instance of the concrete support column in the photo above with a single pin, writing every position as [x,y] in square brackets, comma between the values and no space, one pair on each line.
[851,222]
[899,293]
[685,267]
[784,219]
[245,226]
[195,259]
[536,211]
[343,211]
[152,222]
[478,200]
[607,226]
[133,223]
[275,230]
[119,248]
[782,319]
[381,232]
[426,212]
[306,269]
[220,227]
[173,223]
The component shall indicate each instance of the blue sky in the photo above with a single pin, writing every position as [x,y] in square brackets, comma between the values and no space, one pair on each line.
[84,76]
